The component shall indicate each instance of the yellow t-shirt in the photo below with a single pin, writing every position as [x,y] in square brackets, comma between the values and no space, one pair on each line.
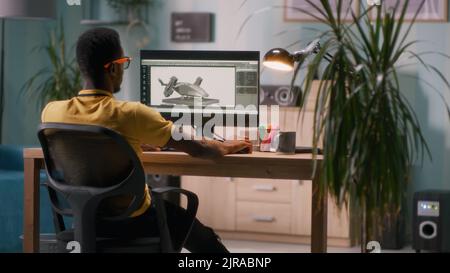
[136,122]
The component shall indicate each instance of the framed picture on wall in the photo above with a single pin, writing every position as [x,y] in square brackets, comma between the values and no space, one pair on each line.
[292,14]
[432,10]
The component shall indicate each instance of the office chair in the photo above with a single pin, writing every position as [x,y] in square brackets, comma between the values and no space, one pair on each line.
[86,166]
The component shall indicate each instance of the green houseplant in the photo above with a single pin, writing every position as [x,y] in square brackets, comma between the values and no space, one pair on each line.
[371,135]
[369,131]
[62,80]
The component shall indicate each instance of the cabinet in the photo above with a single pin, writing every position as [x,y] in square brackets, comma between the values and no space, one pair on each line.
[217,200]
[270,209]
[267,210]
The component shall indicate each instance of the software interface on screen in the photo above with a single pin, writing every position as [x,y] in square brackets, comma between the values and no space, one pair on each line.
[200,81]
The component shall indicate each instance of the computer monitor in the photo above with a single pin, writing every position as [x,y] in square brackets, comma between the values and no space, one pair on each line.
[210,84]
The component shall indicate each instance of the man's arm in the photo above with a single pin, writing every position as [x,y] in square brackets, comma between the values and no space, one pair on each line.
[154,129]
[210,149]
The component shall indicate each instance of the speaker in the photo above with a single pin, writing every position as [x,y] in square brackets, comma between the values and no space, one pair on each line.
[431,221]
[279,95]
[159,181]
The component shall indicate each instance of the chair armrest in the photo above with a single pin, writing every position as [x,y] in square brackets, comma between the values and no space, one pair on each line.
[163,190]
[192,204]
[191,210]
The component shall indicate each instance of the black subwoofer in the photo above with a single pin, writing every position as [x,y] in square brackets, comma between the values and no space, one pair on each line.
[431,221]
[281,95]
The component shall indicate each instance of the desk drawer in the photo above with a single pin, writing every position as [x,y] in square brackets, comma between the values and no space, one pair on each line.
[263,217]
[264,190]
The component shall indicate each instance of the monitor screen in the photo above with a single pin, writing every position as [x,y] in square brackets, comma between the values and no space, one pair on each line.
[201,82]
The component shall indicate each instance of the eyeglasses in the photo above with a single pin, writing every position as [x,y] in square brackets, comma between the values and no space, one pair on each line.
[125,61]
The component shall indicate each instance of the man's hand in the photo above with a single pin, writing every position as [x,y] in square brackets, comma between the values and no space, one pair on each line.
[211,149]
[150,148]
[238,146]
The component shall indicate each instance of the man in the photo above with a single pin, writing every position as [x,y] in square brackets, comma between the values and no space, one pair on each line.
[101,61]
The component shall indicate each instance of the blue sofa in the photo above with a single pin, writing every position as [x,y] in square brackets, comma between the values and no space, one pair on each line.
[11,200]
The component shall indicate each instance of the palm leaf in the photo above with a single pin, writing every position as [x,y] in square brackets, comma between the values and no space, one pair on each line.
[62,80]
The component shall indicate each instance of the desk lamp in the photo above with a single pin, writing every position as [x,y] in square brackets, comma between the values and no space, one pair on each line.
[281,59]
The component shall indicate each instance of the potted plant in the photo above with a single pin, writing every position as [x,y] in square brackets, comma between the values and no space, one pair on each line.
[371,135]
[369,132]
[62,80]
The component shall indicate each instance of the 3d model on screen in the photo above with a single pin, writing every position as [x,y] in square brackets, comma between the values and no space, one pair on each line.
[189,92]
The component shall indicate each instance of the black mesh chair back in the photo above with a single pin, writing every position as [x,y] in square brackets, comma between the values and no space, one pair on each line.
[84,158]
[89,165]
[93,168]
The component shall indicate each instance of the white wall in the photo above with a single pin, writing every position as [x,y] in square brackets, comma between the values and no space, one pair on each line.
[260,33]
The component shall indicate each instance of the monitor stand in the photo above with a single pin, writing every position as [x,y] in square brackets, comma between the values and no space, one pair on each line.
[190,101]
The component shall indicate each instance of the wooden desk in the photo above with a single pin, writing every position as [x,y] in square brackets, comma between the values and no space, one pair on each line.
[256,165]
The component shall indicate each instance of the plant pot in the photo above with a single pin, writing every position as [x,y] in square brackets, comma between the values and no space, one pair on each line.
[392,236]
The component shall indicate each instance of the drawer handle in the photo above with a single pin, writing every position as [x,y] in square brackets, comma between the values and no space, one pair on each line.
[264,188]
[265,219]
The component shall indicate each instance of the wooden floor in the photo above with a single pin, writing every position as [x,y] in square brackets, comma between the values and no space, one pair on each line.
[262,247]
